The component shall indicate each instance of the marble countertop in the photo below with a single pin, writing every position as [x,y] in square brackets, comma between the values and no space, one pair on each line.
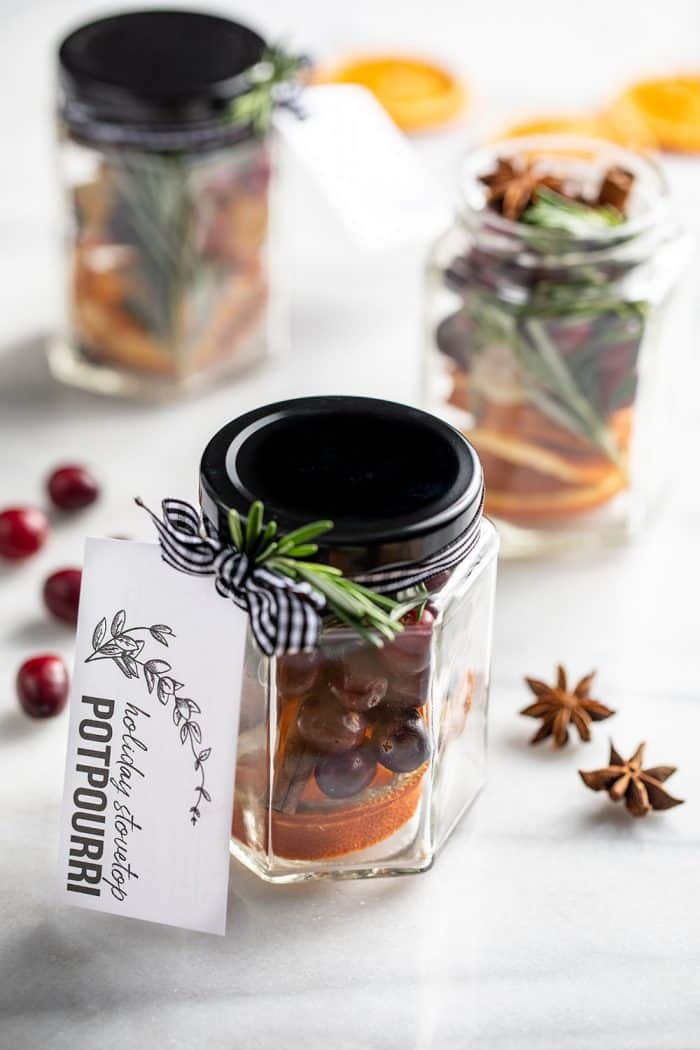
[550,920]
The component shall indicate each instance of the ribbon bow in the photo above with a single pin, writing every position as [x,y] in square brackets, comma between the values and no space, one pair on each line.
[284,614]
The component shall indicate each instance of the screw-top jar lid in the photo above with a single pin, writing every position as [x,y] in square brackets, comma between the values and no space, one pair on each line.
[399,484]
[157,67]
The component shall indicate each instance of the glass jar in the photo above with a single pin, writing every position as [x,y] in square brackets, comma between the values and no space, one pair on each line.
[166,167]
[355,760]
[551,348]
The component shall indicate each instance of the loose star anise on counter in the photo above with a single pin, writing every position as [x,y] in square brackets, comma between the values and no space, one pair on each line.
[642,789]
[558,707]
[511,187]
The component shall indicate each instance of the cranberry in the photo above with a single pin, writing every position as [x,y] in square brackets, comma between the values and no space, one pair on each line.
[358,680]
[326,726]
[347,773]
[62,593]
[42,685]
[402,742]
[410,650]
[23,531]
[409,690]
[437,582]
[297,672]
[72,487]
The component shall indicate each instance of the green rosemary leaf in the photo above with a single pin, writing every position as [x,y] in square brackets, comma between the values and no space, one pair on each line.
[255,106]
[380,599]
[552,211]
[266,553]
[304,534]
[253,525]
[235,529]
[542,360]
[304,550]
[270,532]
[417,601]
[368,613]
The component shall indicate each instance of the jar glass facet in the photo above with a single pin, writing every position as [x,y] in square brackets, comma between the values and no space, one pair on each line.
[167,266]
[355,762]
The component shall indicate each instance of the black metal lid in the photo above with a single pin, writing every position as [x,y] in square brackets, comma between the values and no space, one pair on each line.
[398,483]
[157,67]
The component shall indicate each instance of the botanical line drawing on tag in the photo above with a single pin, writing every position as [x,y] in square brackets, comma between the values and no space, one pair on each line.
[123,648]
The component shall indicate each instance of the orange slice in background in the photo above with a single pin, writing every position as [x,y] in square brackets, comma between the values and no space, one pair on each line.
[533,476]
[551,507]
[587,124]
[620,124]
[418,95]
[668,106]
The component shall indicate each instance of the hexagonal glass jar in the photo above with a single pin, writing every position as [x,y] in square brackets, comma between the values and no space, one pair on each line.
[555,349]
[353,760]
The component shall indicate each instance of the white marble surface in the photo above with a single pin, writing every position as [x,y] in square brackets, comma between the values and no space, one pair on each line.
[551,920]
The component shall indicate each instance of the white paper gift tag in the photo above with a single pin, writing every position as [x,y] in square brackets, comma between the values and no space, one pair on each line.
[365,167]
[151,754]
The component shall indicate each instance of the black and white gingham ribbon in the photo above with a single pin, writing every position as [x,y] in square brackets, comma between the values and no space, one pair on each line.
[285,615]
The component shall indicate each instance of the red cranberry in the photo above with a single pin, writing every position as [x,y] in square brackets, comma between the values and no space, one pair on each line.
[347,773]
[23,531]
[42,685]
[297,672]
[410,650]
[62,593]
[402,742]
[437,582]
[358,680]
[72,487]
[326,726]
[409,690]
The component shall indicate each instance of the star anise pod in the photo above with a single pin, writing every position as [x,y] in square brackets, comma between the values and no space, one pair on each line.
[642,789]
[511,187]
[559,707]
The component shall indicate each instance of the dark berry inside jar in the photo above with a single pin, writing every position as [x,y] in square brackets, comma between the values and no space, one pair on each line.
[410,651]
[346,773]
[297,672]
[408,690]
[401,741]
[358,680]
[326,726]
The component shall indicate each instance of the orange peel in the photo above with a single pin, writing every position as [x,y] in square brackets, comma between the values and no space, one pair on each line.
[621,124]
[669,107]
[548,508]
[417,94]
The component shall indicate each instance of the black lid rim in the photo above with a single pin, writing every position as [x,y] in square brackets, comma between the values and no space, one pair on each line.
[405,537]
[110,99]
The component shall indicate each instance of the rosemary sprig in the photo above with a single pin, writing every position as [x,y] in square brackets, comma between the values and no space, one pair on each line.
[371,615]
[272,82]
[553,211]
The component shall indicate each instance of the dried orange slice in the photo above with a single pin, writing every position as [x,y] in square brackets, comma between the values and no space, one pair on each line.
[550,507]
[587,124]
[418,95]
[668,106]
[621,124]
[536,458]
[535,444]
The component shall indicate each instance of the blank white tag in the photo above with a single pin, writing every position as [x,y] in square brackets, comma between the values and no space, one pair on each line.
[364,165]
[151,754]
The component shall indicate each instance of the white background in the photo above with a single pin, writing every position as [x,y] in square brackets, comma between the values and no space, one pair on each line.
[551,920]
